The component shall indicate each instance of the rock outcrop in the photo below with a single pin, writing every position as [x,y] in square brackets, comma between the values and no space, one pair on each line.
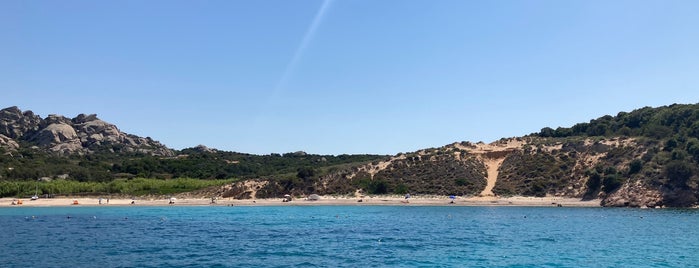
[634,194]
[646,158]
[58,137]
[15,124]
[83,134]
[7,143]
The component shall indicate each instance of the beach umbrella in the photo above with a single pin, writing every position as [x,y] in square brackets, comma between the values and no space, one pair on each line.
[452,197]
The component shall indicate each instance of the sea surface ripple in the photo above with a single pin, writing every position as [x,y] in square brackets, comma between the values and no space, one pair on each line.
[348,236]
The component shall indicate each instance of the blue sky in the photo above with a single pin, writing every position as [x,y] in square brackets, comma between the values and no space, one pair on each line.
[345,76]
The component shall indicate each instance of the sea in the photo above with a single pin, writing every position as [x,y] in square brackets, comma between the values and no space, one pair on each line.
[348,236]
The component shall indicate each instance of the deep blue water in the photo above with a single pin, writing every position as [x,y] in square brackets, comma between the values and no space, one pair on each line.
[353,236]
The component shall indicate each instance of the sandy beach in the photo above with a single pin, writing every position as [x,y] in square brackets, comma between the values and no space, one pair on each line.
[324,200]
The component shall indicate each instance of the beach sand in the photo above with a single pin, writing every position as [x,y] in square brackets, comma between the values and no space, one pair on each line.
[324,200]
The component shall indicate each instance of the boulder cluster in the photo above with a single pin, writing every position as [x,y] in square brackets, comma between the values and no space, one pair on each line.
[83,134]
[634,194]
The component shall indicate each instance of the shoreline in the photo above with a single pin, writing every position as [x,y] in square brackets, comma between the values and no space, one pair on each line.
[323,201]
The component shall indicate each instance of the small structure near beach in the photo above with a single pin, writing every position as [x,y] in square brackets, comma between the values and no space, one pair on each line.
[287,198]
[313,197]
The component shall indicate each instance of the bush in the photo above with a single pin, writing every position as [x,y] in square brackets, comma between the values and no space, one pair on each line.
[635,166]
[678,172]
[460,182]
[305,173]
[401,189]
[377,187]
[611,183]
[593,184]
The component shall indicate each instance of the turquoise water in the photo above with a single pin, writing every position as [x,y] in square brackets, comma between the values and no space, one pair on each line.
[354,236]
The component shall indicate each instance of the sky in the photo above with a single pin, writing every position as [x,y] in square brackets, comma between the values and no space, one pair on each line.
[345,76]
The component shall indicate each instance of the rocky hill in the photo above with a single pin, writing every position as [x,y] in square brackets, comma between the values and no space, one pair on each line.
[644,158]
[60,135]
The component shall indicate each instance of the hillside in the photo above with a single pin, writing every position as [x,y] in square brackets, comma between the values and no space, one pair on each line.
[89,150]
[60,135]
[646,157]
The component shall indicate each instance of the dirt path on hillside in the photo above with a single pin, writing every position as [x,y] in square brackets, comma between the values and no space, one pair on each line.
[492,165]
[492,156]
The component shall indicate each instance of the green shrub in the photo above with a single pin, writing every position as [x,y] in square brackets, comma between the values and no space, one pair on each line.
[678,172]
[377,187]
[138,186]
[611,182]
[635,166]
[401,189]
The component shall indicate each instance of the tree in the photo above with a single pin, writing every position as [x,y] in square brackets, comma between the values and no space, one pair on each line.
[378,187]
[546,132]
[678,172]
[594,182]
[670,144]
[305,173]
[693,148]
[657,131]
[580,128]
[635,166]
[611,183]
[694,130]
[563,132]
[597,129]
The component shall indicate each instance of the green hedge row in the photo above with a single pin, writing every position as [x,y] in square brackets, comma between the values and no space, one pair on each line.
[137,186]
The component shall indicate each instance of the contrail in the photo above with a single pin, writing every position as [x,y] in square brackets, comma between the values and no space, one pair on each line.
[291,66]
[307,37]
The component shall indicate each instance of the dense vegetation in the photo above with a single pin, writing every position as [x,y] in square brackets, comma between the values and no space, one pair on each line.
[103,168]
[431,171]
[563,166]
[119,187]
[657,148]
[436,172]
[220,164]
[665,155]
[674,121]
[533,174]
